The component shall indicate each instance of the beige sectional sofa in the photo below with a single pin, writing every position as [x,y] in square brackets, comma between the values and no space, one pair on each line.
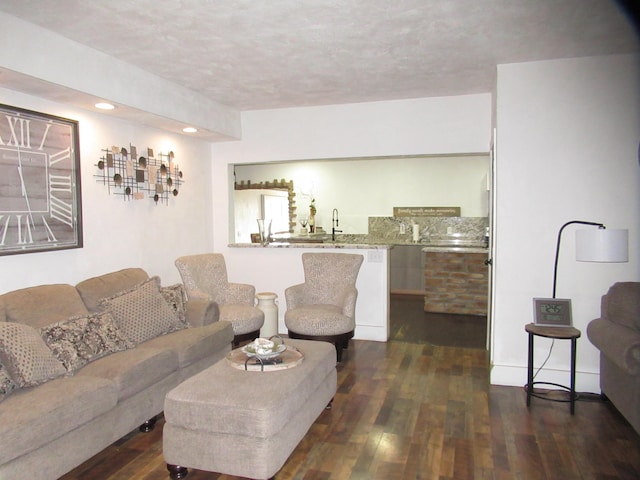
[617,335]
[83,365]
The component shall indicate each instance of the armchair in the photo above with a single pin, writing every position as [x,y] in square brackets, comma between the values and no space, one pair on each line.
[323,307]
[205,276]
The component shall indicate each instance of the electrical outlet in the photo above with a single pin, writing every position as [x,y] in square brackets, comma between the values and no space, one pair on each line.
[403,229]
[374,256]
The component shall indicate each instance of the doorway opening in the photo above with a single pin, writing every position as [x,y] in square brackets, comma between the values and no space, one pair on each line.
[409,323]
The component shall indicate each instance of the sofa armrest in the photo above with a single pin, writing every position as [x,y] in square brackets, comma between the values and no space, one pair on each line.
[201,312]
[618,343]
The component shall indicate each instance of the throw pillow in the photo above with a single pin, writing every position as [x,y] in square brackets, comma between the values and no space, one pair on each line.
[80,340]
[6,384]
[26,357]
[175,296]
[142,312]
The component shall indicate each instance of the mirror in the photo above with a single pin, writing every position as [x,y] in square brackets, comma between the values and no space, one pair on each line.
[273,201]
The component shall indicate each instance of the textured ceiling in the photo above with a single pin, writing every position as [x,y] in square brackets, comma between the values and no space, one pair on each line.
[257,54]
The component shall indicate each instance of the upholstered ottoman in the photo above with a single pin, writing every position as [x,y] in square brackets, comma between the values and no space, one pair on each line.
[246,423]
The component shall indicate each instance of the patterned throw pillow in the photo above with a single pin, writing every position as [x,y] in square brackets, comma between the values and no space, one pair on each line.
[81,340]
[6,384]
[176,298]
[25,355]
[142,313]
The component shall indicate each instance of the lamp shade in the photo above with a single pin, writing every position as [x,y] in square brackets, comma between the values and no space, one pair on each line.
[602,245]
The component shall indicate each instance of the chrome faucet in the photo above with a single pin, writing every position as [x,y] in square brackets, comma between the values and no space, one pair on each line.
[334,223]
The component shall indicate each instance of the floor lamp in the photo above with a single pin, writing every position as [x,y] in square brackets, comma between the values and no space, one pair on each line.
[595,245]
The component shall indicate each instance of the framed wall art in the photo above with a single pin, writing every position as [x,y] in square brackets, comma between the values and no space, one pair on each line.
[40,194]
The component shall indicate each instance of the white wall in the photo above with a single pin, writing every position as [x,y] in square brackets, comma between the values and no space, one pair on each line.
[363,188]
[568,134]
[117,233]
[409,127]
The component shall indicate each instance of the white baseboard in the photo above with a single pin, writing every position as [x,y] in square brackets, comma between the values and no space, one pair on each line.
[516,376]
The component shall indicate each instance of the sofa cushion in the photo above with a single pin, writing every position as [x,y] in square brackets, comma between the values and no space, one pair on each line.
[6,384]
[194,344]
[33,417]
[94,289]
[80,340]
[142,313]
[42,305]
[621,304]
[133,370]
[25,355]
[176,297]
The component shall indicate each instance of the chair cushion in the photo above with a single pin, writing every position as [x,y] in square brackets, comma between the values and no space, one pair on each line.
[318,320]
[25,355]
[243,318]
[80,340]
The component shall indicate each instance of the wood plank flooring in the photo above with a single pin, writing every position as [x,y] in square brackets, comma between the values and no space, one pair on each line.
[419,411]
[410,323]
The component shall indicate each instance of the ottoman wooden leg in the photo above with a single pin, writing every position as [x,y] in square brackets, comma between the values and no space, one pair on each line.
[176,472]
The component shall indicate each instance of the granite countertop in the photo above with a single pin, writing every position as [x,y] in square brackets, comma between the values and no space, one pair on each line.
[454,249]
[325,245]
[323,240]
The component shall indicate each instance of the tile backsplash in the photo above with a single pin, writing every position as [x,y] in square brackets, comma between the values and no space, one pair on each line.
[432,230]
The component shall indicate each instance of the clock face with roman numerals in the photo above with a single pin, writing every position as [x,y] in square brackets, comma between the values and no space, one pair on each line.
[40,200]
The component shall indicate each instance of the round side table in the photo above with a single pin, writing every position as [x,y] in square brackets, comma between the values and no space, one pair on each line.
[559,333]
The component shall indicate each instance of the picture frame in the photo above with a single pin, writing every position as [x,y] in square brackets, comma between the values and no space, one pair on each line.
[40,188]
[552,312]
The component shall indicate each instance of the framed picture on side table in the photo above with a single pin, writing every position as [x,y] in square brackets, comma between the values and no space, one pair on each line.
[552,312]
[40,195]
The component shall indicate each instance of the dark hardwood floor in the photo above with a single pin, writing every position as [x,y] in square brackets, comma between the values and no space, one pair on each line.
[414,410]
[410,323]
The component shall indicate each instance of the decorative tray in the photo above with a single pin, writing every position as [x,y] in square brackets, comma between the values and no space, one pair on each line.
[263,357]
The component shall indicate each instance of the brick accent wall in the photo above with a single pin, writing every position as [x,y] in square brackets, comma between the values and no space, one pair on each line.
[456,282]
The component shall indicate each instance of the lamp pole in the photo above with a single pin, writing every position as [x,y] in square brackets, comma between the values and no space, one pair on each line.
[555,265]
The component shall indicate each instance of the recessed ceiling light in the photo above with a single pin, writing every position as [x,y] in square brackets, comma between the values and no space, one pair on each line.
[189,130]
[105,106]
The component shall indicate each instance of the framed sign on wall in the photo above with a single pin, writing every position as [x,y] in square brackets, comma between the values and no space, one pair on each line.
[40,195]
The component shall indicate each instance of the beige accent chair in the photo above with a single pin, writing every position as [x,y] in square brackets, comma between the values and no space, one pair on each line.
[323,307]
[205,276]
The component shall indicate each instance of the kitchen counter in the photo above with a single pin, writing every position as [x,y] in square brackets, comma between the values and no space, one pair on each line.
[454,248]
[276,245]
